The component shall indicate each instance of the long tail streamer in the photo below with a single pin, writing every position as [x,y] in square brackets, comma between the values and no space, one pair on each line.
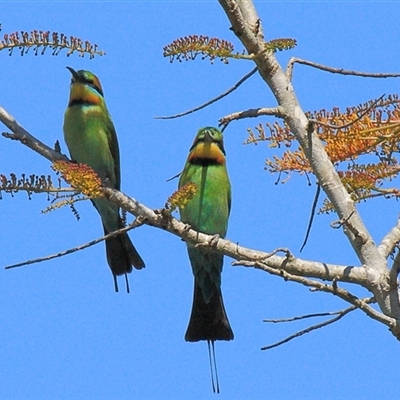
[213,366]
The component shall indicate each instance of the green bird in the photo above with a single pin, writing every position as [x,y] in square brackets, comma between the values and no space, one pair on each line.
[91,139]
[207,212]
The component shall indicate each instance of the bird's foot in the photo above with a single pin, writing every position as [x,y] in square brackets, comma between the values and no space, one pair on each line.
[187,227]
[214,240]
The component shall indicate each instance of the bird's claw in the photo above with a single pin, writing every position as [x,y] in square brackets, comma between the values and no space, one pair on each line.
[214,240]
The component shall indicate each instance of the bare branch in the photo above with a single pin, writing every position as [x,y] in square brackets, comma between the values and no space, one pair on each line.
[23,136]
[164,221]
[393,325]
[252,113]
[340,315]
[288,267]
[306,316]
[136,223]
[221,96]
[293,60]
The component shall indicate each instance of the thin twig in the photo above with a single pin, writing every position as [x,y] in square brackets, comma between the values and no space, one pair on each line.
[380,128]
[264,257]
[323,287]
[252,113]
[337,127]
[293,60]
[234,87]
[339,223]
[322,314]
[311,328]
[284,250]
[37,190]
[136,223]
[301,317]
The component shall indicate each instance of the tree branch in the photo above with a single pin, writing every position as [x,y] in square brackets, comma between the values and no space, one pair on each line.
[390,240]
[339,315]
[293,60]
[244,19]
[221,96]
[265,261]
[287,267]
[252,113]
[163,220]
[23,136]
[276,79]
[314,315]
[136,223]
[392,323]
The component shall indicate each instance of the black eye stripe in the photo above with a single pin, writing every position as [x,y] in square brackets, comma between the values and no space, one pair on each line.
[94,86]
[89,82]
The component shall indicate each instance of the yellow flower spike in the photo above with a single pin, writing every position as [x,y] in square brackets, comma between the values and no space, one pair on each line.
[280,44]
[80,176]
[183,196]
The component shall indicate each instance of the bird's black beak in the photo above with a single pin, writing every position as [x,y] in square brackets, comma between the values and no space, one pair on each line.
[207,137]
[75,75]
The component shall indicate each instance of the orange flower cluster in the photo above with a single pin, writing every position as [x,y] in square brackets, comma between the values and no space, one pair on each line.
[369,130]
[294,161]
[364,132]
[79,176]
[182,196]
[367,177]
[278,135]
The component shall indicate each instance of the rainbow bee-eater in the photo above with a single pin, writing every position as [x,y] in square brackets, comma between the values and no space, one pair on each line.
[207,212]
[91,139]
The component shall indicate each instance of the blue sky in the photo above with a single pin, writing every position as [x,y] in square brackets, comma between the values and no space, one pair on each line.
[64,333]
